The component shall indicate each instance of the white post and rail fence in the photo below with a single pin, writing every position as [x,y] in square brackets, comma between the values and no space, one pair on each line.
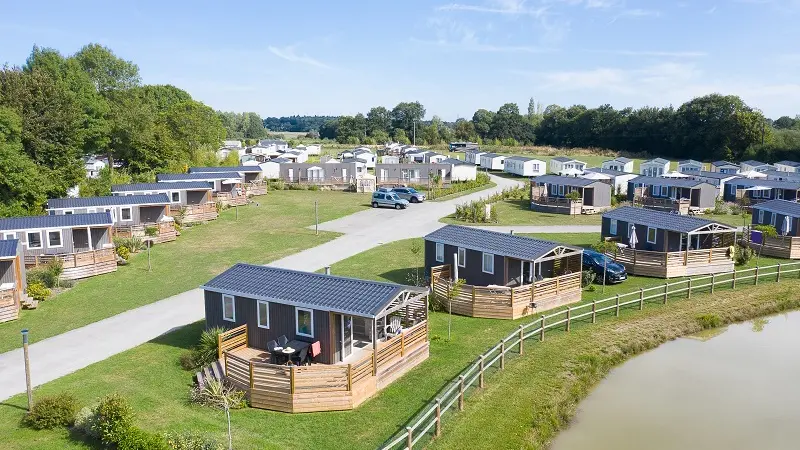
[427,424]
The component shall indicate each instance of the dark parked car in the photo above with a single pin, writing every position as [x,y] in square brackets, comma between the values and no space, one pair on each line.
[597,262]
[410,194]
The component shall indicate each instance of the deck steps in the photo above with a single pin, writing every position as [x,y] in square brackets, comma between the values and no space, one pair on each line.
[212,372]
[27,302]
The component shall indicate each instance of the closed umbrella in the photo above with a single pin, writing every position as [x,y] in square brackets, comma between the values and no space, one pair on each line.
[632,240]
[786,227]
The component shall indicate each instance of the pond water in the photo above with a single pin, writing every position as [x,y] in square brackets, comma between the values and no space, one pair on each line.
[733,388]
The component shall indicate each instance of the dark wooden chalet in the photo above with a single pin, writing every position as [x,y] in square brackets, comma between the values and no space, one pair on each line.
[368,334]
[506,276]
[682,195]
[144,216]
[81,241]
[190,201]
[785,217]
[668,245]
[760,190]
[12,279]
[552,193]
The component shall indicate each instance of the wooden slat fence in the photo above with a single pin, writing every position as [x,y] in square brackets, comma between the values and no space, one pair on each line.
[73,260]
[232,339]
[781,247]
[427,423]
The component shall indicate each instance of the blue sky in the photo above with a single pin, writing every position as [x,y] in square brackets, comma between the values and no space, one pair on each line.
[343,57]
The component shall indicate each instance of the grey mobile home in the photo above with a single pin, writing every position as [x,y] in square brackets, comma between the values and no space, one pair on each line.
[682,195]
[12,279]
[553,193]
[190,201]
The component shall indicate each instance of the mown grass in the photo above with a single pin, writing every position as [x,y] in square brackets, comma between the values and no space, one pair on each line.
[518,212]
[273,229]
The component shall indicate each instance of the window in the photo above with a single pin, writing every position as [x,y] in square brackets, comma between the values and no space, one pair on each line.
[760,216]
[10,235]
[176,197]
[113,214]
[488,263]
[462,257]
[756,194]
[125,214]
[68,212]
[439,252]
[612,227]
[54,239]
[263,314]
[34,239]
[305,322]
[664,191]
[733,189]
[90,210]
[772,217]
[228,308]
[561,189]
[651,235]
[767,194]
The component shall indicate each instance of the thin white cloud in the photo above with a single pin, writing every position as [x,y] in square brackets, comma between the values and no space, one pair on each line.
[712,10]
[288,53]
[657,53]
[505,7]
[474,46]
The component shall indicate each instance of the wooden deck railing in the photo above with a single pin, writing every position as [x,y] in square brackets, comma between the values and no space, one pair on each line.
[781,247]
[9,304]
[73,260]
[427,424]
[232,339]
[660,264]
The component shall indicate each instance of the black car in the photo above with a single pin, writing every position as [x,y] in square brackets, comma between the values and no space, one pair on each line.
[598,262]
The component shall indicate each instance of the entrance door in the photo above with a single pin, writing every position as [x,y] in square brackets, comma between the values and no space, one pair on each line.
[779,194]
[80,239]
[343,329]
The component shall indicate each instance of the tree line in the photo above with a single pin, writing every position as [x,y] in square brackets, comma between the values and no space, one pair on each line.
[56,109]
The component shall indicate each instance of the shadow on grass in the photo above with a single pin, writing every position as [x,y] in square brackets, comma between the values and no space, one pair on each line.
[401,276]
[9,405]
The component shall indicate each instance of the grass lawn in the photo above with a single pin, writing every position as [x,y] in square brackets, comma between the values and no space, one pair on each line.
[518,212]
[272,230]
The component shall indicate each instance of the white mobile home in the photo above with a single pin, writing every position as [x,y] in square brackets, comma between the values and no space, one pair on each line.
[787,166]
[492,161]
[567,166]
[525,167]
[715,179]
[434,158]
[724,167]
[390,159]
[690,167]
[473,155]
[654,167]
[617,179]
[755,166]
[619,164]
[365,156]
[460,170]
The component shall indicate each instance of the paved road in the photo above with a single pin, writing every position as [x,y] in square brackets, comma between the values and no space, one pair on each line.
[63,354]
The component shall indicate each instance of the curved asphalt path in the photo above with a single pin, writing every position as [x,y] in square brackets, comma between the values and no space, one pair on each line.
[65,353]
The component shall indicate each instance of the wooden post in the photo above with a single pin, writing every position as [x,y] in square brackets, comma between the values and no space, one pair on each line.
[713,281]
[616,312]
[755,278]
[219,346]
[402,343]
[438,417]
[502,354]
[409,439]
[541,331]
[473,298]
[594,311]
[461,392]
[569,316]
[733,280]
[689,288]
[480,374]
[349,377]
[641,299]
[291,379]
[520,339]
[666,292]
[251,376]
[226,364]
[778,276]
[27,368]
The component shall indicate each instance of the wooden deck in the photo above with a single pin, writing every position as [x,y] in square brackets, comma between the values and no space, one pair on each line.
[255,188]
[9,305]
[787,247]
[165,231]
[196,213]
[226,199]
[557,205]
[682,206]
[506,302]
[673,264]
[80,264]
[322,387]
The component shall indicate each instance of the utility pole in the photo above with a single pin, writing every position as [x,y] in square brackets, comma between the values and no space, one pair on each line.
[415,132]
[316,218]
[27,368]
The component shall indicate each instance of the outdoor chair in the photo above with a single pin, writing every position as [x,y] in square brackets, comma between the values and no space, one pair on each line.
[302,357]
[282,341]
[316,350]
[271,349]
[394,328]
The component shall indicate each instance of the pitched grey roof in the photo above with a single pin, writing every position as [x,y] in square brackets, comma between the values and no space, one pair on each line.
[751,182]
[111,200]
[502,244]
[752,162]
[785,207]
[224,169]
[565,159]
[689,161]
[663,181]
[197,176]
[716,175]
[313,290]
[724,164]
[566,181]
[455,162]
[473,150]
[165,186]
[8,248]
[659,219]
[789,163]
[614,173]
[521,158]
[271,141]
[491,155]
[61,221]
[781,174]
[621,159]
[280,160]
[660,161]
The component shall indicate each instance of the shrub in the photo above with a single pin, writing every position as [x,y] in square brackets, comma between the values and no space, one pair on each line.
[191,441]
[574,195]
[709,321]
[720,207]
[48,275]
[187,360]
[37,291]
[138,439]
[123,252]
[217,394]
[151,231]
[742,255]
[587,278]
[51,412]
[205,352]
[767,230]
[736,209]
[134,244]
[86,420]
[114,419]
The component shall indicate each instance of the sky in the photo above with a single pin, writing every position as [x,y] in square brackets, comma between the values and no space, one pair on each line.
[454,56]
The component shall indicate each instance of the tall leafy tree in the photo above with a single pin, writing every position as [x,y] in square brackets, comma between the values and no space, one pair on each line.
[106,70]
[23,189]
[406,114]
[379,119]
[482,122]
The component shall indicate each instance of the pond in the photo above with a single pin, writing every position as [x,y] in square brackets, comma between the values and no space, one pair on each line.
[731,388]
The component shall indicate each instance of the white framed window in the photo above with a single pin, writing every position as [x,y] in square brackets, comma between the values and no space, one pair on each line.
[760,216]
[756,194]
[304,321]
[263,314]
[767,194]
[664,191]
[68,212]
[228,308]
[733,189]
[462,257]
[651,235]
[175,196]
[772,217]
[33,239]
[54,239]
[612,227]
[488,263]
[125,214]
[10,235]
[439,252]
[560,189]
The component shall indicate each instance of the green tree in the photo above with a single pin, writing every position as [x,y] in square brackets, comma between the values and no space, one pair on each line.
[379,119]
[400,136]
[194,124]
[406,114]
[106,70]
[535,112]
[254,127]
[464,130]
[22,187]
[482,122]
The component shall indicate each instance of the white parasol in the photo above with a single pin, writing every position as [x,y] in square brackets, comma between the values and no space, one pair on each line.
[786,228]
[632,239]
